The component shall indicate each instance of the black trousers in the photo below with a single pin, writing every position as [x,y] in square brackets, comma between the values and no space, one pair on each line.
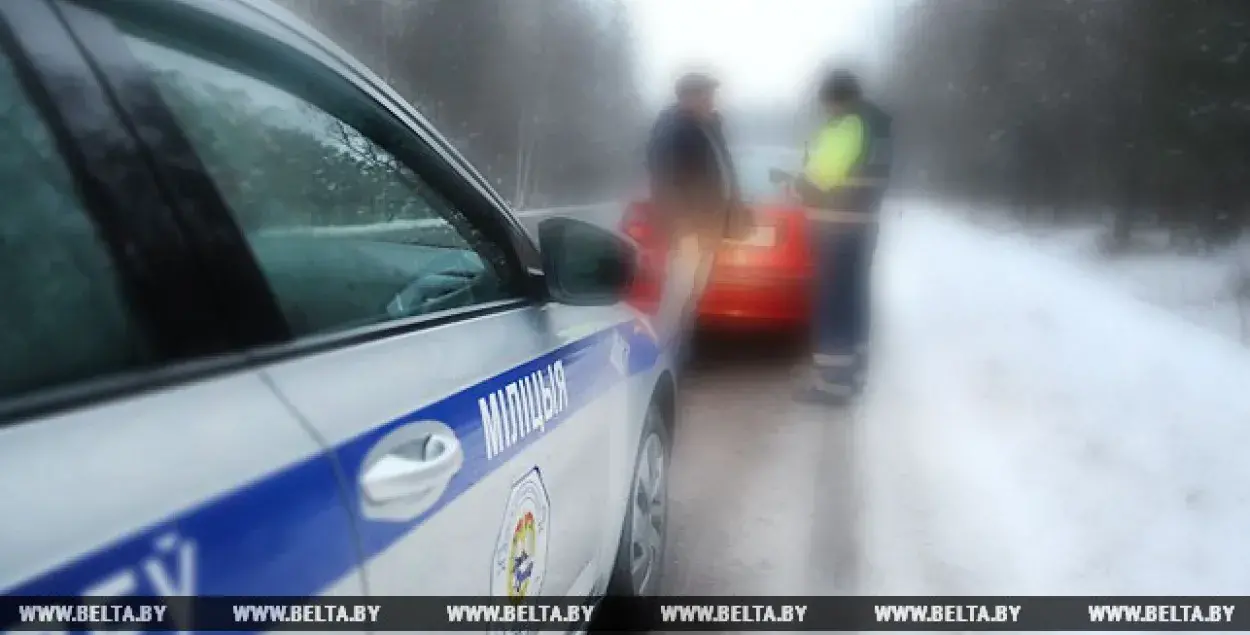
[843,256]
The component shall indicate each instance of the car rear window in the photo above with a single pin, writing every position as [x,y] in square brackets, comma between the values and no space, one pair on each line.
[753,165]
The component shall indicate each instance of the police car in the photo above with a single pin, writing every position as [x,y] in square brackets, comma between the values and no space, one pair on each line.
[265,332]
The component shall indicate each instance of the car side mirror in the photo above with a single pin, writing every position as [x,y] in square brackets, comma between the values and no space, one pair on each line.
[583,264]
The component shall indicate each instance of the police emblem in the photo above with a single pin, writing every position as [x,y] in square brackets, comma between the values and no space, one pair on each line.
[520,558]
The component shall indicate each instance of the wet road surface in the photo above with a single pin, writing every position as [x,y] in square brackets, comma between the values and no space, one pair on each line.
[762,489]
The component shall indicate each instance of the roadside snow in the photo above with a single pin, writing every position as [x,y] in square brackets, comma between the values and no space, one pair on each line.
[1202,288]
[1199,289]
[1035,430]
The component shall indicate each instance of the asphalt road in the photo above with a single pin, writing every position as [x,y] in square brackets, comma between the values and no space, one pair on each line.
[762,494]
[762,489]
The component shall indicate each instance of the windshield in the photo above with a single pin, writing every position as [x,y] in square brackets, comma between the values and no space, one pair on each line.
[753,165]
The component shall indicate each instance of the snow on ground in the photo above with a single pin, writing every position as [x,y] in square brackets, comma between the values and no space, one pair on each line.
[1199,287]
[1033,429]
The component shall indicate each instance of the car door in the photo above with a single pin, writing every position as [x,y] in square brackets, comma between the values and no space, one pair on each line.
[468,428]
[138,456]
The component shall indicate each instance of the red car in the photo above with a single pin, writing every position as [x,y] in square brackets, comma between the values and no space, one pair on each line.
[759,283]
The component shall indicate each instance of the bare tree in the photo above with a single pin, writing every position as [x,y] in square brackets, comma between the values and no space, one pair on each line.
[1137,106]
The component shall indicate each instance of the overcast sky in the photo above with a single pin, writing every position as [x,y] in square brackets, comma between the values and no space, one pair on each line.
[763,50]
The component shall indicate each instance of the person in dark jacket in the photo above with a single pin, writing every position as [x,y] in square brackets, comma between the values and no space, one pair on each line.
[693,183]
[842,186]
[689,164]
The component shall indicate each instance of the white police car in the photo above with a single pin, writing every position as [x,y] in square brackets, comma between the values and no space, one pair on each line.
[264,332]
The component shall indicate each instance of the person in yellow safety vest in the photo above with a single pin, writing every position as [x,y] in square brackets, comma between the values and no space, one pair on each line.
[842,186]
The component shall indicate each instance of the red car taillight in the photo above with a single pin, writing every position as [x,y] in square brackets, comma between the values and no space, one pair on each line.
[648,283]
[646,291]
[792,228]
[639,225]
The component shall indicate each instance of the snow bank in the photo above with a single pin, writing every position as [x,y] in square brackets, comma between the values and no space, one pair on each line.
[1200,288]
[1034,430]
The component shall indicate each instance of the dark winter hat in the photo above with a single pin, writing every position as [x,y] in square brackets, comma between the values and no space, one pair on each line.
[696,84]
[839,86]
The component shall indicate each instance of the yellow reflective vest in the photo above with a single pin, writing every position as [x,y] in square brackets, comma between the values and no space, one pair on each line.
[848,165]
[835,153]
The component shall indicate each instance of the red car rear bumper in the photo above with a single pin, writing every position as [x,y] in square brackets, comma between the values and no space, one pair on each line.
[762,282]
[756,300]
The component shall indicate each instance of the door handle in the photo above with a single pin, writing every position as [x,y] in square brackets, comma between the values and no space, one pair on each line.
[407,472]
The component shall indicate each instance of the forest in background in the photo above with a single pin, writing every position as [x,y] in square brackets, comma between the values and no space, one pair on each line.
[1137,111]
[541,96]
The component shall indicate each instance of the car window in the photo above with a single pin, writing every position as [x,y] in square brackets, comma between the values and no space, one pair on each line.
[753,171]
[753,175]
[63,316]
[345,233]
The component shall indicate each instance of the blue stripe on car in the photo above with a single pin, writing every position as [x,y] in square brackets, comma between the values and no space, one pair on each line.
[287,534]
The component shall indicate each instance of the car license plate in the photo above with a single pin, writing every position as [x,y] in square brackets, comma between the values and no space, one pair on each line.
[760,237]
